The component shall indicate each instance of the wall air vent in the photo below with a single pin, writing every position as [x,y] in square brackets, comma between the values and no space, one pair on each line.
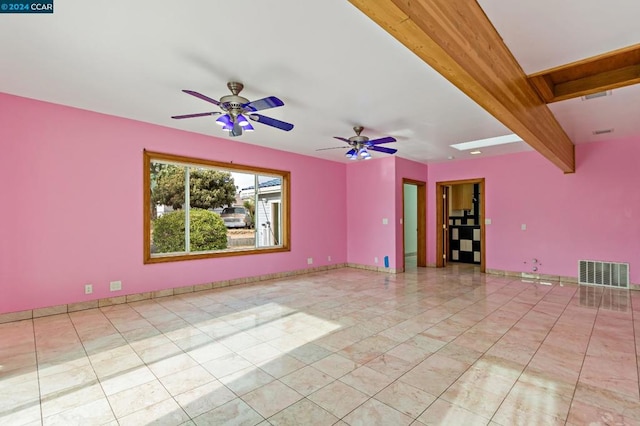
[596,95]
[602,131]
[609,274]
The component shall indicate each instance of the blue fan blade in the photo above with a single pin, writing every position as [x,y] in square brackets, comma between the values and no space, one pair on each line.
[201,114]
[271,122]
[383,149]
[388,139]
[264,103]
[201,96]
[342,139]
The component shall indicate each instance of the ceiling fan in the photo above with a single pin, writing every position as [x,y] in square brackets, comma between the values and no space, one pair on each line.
[361,145]
[236,111]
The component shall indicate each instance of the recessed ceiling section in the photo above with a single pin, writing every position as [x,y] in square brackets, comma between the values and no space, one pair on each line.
[619,112]
[590,76]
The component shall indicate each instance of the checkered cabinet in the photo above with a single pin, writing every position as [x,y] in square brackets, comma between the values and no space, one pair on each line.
[464,242]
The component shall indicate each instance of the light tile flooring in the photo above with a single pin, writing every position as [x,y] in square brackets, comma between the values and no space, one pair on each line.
[431,346]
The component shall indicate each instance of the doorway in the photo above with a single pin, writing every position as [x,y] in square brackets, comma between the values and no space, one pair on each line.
[470,194]
[414,223]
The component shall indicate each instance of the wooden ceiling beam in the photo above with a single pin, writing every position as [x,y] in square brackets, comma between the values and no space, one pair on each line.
[600,73]
[456,39]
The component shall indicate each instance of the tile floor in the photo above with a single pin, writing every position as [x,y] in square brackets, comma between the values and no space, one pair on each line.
[346,347]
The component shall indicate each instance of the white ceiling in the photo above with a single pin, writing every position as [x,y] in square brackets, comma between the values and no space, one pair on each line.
[331,65]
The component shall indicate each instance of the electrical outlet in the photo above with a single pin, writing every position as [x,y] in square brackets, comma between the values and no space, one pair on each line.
[375,259]
[115,285]
[310,261]
[88,289]
[328,258]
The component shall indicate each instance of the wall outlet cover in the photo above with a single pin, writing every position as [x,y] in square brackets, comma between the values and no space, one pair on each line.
[115,285]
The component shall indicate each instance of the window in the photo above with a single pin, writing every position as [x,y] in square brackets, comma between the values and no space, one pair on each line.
[229,209]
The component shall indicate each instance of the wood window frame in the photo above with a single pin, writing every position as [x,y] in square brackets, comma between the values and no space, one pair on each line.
[149,156]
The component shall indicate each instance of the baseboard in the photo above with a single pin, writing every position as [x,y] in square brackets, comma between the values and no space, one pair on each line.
[544,277]
[110,301]
[533,276]
[375,268]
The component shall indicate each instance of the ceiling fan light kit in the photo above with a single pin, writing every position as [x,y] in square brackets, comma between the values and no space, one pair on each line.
[236,109]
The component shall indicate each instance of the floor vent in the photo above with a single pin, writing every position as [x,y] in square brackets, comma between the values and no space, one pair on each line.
[607,274]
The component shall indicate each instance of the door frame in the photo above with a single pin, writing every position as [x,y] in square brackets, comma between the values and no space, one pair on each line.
[421,260]
[440,220]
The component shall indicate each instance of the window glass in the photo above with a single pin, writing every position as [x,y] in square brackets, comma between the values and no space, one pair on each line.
[227,209]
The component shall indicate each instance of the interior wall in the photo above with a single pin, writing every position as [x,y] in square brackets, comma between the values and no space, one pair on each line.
[410,219]
[592,214]
[71,182]
[371,188]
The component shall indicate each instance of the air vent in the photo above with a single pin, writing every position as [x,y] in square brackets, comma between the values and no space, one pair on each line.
[596,95]
[602,131]
[608,274]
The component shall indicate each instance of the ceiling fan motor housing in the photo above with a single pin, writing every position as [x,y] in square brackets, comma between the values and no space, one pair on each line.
[233,104]
[358,139]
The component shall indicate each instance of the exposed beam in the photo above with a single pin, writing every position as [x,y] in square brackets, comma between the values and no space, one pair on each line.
[608,71]
[456,39]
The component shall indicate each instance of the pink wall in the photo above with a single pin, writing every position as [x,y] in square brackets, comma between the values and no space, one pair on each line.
[371,187]
[410,170]
[71,183]
[374,192]
[592,214]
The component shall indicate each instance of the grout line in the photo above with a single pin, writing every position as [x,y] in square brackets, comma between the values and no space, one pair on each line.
[37,366]
[537,349]
[586,349]
[635,340]
[484,353]
[73,324]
